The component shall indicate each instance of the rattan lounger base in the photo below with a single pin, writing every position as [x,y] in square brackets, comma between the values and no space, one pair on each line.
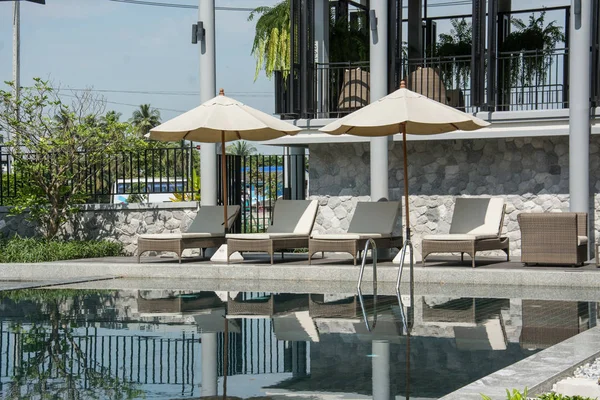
[269,246]
[177,245]
[352,246]
[465,246]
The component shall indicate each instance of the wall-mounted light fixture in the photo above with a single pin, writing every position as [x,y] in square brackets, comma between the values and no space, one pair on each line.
[198,32]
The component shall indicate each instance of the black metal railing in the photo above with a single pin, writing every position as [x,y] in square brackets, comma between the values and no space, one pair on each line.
[340,88]
[526,80]
[255,182]
[131,176]
[532,80]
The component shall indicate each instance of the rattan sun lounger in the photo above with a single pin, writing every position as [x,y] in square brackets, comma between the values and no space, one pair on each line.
[206,231]
[290,228]
[371,220]
[476,226]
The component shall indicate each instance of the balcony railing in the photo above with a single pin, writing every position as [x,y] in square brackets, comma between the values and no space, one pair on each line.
[522,81]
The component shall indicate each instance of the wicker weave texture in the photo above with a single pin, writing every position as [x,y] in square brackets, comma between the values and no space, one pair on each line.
[269,246]
[352,246]
[551,238]
[471,247]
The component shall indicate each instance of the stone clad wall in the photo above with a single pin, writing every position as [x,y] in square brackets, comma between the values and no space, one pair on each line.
[530,173]
[117,222]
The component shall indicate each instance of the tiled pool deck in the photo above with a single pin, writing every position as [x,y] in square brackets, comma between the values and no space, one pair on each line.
[295,268]
[492,278]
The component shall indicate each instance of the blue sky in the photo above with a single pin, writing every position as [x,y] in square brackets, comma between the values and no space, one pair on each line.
[106,45]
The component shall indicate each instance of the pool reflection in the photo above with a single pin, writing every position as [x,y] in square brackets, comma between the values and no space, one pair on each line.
[174,344]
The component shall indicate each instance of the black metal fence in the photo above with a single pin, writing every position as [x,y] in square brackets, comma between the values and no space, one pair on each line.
[255,182]
[519,83]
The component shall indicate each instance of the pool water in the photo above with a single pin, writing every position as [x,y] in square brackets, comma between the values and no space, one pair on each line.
[66,343]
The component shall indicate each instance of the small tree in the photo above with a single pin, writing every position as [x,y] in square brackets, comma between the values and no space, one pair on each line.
[53,144]
[145,119]
[241,148]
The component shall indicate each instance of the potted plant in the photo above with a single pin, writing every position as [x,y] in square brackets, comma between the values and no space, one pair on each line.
[530,47]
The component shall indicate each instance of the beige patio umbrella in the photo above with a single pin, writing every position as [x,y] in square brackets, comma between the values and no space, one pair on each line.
[404,111]
[222,119]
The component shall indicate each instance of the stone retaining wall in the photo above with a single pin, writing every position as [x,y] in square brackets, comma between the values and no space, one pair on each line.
[530,173]
[119,222]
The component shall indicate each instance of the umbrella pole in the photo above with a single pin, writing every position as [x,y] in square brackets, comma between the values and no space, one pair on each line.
[224,181]
[407,242]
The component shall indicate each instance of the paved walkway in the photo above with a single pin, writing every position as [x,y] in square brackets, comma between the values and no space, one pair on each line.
[489,271]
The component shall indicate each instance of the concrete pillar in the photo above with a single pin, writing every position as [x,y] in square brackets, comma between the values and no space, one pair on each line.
[379,72]
[322,56]
[208,90]
[415,29]
[297,173]
[299,365]
[209,363]
[579,104]
[380,350]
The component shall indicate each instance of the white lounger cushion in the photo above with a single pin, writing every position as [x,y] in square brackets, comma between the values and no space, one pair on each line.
[263,236]
[346,236]
[477,216]
[581,240]
[163,236]
[459,236]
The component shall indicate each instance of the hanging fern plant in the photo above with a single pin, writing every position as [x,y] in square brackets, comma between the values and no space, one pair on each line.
[271,47]
[537,38]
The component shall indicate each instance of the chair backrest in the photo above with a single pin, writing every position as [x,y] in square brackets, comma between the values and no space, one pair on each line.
[293,216]
[375,217]
[209,219]
[355,89]
[427,82]
[478,216]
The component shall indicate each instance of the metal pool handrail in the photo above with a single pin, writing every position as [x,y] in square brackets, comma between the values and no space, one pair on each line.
[369,243]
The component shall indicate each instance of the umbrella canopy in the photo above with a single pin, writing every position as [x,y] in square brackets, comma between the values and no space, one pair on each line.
[419,114]
[222,119]
[404,111]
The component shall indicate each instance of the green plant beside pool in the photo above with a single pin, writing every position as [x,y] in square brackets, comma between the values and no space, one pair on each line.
[30,250]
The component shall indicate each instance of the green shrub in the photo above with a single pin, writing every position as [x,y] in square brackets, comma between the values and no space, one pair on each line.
[516,395]
[556,396]
[22,250]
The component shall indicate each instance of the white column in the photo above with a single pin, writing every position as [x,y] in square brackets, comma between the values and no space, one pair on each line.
[579,104]
[208,155]
[208,348]
[378,87]
[381,369]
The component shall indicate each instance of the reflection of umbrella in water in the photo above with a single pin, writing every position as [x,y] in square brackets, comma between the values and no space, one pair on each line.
[404,111]
[219,120]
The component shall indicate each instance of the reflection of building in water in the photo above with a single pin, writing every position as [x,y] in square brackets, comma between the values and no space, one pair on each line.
[173,342]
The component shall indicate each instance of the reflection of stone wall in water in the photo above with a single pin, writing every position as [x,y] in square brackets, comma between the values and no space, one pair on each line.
[119,222]
[532,174]
[340,363]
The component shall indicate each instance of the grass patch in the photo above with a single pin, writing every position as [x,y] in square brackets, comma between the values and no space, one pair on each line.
[29,250]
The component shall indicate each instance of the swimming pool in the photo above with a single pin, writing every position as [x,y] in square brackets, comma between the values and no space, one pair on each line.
[189,344]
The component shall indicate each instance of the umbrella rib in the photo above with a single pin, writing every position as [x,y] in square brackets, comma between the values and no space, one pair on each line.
[455,127]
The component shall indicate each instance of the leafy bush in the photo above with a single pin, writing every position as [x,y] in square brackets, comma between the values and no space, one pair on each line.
[556,396]
[22,250]
[516,395]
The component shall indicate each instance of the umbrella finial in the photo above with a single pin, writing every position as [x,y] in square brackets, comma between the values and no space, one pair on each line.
[221,92]
[402,84]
